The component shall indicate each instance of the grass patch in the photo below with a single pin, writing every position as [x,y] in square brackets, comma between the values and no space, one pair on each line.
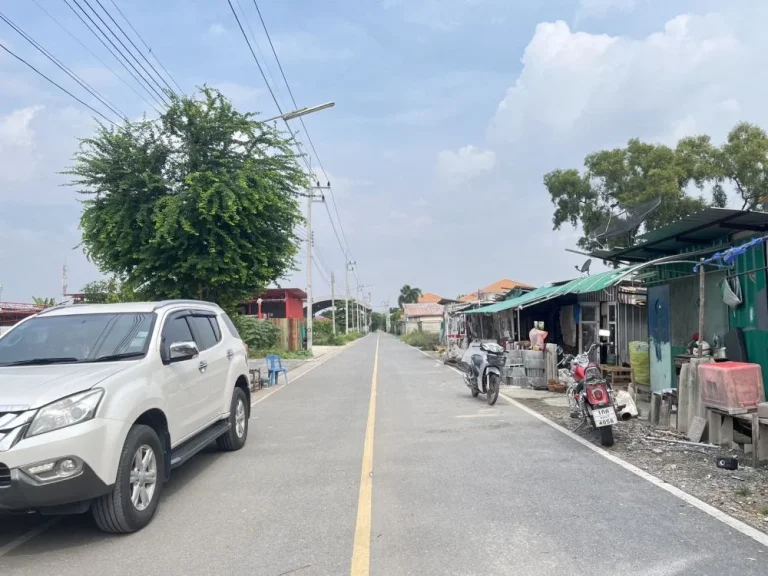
[764,511]
[422,340]
[743,491]
[284,354]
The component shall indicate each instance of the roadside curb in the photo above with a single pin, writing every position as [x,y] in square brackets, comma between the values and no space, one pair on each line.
[732,522]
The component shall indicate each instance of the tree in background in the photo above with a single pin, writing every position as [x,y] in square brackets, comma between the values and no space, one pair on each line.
[625,177]
[108,291]
[408,295]
[201,203]
[744,161]
[43,302]
[378,321]
[341,314]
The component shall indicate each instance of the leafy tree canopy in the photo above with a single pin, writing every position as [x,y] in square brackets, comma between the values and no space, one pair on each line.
[201,203]
[614,180]
[108,291]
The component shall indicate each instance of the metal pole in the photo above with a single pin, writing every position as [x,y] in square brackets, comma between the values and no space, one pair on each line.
[309,269]
[519,335]
[701,305]
[346,300]
[357,306]
[333,302]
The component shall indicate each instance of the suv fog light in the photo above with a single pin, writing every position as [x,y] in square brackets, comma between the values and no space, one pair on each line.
[52,470]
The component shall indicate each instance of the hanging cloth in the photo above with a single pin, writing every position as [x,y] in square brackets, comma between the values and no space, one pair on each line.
[732,292]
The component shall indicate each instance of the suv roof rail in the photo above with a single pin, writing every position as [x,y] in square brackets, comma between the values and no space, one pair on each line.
[51,308]
[164,303]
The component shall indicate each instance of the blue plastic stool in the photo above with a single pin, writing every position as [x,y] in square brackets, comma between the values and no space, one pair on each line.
[274,368]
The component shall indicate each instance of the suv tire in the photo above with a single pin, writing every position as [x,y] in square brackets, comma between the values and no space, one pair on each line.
[142,459]
[235,437]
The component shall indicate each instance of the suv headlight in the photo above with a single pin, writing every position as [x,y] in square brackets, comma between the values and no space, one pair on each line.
[65,412]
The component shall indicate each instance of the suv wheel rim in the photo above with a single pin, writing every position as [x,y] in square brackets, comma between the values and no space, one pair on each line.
[143,477]
[240,419]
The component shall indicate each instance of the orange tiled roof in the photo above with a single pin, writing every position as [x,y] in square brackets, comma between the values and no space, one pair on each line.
[429,297]
[500,287]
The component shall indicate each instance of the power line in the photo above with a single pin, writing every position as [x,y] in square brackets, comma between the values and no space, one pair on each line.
[107,26]
[95,56]
[135,48]
[120,60]
[20,59]
[143,80]
[347,252]
[63,67]
[149,49]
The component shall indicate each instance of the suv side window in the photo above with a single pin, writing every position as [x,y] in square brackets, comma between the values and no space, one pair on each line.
[204,334]
[216,328]
[230,326]
[175,329]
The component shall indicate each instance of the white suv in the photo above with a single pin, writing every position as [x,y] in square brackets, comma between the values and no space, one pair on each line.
[98,403]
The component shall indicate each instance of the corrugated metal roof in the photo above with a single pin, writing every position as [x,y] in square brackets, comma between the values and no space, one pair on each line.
[422,309]
[701,228]
[594,283]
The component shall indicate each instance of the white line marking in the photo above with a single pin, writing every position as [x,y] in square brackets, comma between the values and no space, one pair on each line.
[737,525]
[319,362]
[27,536]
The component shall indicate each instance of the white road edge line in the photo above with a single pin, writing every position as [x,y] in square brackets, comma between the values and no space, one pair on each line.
[737,525]
[320,362]
[26,537]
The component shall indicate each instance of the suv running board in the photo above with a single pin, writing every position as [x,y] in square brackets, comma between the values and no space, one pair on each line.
[182,453]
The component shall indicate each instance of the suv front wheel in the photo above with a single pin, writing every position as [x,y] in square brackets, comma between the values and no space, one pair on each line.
[235,437]
[132,503]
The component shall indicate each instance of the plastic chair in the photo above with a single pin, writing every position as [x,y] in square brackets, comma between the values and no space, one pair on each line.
[274,368]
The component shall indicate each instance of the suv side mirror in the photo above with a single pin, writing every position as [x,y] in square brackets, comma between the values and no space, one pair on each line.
[180,351]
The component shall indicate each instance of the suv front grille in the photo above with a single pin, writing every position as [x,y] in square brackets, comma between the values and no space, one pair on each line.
[5,476]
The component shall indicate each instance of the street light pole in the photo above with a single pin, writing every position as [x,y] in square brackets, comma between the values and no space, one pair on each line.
[348,269]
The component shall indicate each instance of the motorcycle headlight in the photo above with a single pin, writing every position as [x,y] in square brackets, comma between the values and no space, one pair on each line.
[65,412]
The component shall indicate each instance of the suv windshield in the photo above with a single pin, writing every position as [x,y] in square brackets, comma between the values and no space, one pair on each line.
[77,338]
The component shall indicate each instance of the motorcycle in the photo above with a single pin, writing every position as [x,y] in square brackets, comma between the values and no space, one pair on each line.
[591,396]
[482,363]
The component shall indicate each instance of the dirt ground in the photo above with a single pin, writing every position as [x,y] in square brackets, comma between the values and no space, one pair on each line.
[741,493]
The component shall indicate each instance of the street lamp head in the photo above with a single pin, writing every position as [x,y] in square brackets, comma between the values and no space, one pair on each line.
[308,110]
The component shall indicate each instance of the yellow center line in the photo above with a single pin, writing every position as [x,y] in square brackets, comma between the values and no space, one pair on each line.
[361,551]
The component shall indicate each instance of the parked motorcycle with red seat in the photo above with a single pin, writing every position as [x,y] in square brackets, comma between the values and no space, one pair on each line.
[591,395]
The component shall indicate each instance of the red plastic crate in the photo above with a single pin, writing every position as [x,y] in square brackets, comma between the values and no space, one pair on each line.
[732,387]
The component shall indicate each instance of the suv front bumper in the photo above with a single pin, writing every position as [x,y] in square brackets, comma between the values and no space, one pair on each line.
[97,443]
[25,493]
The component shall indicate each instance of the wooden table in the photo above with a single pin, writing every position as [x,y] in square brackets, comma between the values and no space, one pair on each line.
[256,383]
[720,426]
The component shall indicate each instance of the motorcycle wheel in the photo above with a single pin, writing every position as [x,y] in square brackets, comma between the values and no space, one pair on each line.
[606,435]
[475,392]
[493,389]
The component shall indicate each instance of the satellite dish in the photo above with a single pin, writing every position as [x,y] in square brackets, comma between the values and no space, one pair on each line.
[626,223]
[585,267]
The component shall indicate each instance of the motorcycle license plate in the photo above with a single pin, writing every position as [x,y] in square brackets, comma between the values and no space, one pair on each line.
[604,417]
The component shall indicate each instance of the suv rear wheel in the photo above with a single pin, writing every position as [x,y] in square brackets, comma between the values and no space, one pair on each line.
[235,437]
[133,502]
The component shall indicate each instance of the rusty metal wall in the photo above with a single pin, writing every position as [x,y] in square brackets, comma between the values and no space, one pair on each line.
[631,326]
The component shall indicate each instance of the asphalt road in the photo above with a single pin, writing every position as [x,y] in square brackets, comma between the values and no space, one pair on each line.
[457,488]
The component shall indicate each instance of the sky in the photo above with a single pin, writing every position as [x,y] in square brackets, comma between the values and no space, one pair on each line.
[448,114]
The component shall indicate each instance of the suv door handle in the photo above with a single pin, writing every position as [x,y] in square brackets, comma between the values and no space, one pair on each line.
[230,354]
[202,366]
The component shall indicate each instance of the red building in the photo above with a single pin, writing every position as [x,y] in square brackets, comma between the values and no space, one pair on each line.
[13,312]
[277,303]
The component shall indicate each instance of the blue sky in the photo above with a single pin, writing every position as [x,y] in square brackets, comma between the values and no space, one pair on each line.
[448,114]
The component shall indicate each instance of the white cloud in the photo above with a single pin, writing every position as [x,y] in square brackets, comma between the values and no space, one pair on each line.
[216,29]
[245,98]
[456,167]
[594,90]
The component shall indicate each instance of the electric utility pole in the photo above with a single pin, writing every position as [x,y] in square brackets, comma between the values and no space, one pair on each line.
[333,302]
[311,198]
[348,269]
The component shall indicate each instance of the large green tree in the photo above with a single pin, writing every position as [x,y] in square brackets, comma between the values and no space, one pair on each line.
[744,161]
[201,203]
[622,178]
[408,295]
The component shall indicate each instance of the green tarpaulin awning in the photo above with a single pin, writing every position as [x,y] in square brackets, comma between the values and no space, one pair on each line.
[583,285]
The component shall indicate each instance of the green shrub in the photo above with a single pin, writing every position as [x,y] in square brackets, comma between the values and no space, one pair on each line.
[257,334]
[284,354]
[422,340]
[323,335]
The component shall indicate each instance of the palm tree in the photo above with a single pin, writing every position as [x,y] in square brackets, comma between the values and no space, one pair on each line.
[408,295]
[44,302]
